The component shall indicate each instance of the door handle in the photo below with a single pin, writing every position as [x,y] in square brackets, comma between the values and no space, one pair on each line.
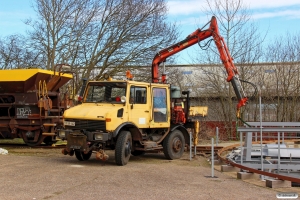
[146,111]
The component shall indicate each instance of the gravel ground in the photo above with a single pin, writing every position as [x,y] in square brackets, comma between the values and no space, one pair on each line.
[47,174]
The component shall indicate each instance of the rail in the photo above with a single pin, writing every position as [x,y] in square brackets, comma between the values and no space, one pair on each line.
[265,173]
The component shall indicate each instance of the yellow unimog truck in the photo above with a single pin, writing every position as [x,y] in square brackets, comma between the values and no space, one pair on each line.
[135,117]
[130,117]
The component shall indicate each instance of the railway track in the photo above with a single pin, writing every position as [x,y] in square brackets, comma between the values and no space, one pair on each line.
[207,149]
[225,150]
[201,149]
[19,145]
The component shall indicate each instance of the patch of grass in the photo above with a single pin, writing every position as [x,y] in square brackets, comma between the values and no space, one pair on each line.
[12,141]
[61,142]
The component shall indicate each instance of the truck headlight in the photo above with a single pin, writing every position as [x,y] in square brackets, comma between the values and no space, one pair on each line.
[62,133]
[98,136]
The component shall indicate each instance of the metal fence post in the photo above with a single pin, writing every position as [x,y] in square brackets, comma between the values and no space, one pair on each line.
[190,146]
[217,136]
[282,137]
[278,162]
[212,158]
[242,148]
[195,152]
[261,145]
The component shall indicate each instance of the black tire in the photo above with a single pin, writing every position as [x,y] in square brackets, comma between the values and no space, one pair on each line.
[173,145]
[138,153]
[123,148]
[82,156]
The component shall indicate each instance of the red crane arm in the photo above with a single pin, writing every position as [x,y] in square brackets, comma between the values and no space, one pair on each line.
[194,38]
[161,56]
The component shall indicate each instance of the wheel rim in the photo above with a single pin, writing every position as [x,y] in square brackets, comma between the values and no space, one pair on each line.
[177,144]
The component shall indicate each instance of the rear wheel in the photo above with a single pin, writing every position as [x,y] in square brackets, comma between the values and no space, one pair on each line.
[123,148]
[173,145]
[82,156]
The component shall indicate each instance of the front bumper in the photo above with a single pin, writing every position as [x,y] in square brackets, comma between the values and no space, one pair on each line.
[92,136]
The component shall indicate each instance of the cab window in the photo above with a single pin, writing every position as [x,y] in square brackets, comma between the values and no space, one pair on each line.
[138,95]
[160,104]
[105,92]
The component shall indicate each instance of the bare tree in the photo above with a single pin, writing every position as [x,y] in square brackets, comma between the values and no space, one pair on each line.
[281,86]
[15,54]
[100,36]
[57,32]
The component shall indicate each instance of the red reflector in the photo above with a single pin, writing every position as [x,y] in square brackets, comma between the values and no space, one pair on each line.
[108,119]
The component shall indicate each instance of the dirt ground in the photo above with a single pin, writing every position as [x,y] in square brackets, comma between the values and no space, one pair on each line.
[33,173]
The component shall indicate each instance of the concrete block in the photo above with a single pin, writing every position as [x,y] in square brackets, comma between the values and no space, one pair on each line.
[275,183]
[229,168]
[247,175]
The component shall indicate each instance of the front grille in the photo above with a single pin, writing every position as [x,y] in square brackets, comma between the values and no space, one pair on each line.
[87,125]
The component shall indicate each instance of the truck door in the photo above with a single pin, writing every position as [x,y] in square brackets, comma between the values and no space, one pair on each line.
[139,106]
[160,105]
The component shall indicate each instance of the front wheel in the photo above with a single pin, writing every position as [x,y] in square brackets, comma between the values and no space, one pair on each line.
[173,145]
[123,148]
[82,156]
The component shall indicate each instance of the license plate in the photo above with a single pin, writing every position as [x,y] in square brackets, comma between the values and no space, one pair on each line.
[75,147]
[68,123]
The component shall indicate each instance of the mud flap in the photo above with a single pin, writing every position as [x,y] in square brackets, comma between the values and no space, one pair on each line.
[76,142]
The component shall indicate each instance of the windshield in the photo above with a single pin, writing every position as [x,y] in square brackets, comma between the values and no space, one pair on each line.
[110,92]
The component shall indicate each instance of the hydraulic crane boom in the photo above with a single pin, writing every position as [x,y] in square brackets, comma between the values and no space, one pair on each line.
[194,38]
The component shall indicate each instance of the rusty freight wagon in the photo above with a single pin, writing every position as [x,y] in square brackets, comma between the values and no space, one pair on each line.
[32,104]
